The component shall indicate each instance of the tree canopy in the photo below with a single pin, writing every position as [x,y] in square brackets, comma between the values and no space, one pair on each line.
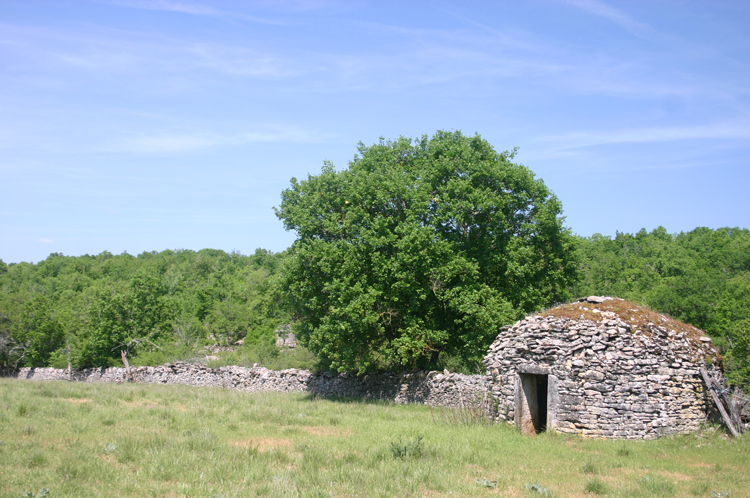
[166,305]
[420,251]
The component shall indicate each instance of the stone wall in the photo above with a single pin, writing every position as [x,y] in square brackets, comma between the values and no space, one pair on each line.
[431,388]
[605,379]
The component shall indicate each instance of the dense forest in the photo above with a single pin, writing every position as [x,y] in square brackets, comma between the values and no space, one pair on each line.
[156,306]
[163,306]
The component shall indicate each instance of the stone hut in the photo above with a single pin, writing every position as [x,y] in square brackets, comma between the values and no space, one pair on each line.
[602,367]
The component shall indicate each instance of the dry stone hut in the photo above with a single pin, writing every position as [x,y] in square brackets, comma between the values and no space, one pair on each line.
[602,367]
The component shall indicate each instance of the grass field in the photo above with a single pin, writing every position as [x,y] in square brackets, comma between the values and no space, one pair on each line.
[79,440]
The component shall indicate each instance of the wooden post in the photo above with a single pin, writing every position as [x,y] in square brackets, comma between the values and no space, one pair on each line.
[719,404]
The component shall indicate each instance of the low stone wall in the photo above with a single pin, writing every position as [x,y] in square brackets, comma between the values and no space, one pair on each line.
[430,388]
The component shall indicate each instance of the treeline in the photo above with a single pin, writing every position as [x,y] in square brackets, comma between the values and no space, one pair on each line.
[155,306]
[701,277]
[161,305]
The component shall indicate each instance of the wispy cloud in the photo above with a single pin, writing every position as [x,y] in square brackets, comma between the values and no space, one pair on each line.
[739,130]
[192,9]
[242,61]
[616,16]
[160,142]
[103,52]
[186,8]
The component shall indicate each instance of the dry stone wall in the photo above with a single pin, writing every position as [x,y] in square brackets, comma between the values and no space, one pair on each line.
[605,378]
[431,388]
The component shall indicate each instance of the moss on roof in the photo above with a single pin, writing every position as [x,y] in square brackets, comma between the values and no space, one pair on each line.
[639,317]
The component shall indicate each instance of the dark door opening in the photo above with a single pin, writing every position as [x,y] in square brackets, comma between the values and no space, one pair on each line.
[541,393]
[531,413]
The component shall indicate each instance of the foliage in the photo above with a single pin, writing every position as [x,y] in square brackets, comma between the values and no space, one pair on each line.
[160,305]
[129,321]
[268,356]
[738,355]
[38,334]
[391,294]
[9,353]
[420,247]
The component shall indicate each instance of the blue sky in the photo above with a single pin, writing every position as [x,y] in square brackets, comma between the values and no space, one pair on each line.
[140,125]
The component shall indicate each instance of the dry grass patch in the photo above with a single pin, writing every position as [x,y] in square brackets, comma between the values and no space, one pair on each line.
[141,403]
[78,401]
[263,444]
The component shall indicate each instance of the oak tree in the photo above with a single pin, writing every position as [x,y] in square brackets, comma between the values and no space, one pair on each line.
[419,251]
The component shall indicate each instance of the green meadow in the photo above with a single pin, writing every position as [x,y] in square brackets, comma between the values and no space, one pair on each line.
[62,439]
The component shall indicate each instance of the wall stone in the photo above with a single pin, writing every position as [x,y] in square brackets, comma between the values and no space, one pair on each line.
[430,388]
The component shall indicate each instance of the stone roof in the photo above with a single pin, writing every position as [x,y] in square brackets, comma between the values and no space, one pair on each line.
[638,319]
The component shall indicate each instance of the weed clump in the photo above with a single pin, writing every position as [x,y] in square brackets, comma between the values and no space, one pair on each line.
[595,486]
[657,486]
[37,460]
[623,451]
[589,468]
[412,448]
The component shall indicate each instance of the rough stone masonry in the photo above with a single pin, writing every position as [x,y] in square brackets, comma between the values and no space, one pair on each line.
[430,388]
[602,367]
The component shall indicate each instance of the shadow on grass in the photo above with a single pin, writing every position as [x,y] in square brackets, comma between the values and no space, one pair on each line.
[348,400]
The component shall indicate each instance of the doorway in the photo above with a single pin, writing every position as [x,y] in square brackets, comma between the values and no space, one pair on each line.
[532,403]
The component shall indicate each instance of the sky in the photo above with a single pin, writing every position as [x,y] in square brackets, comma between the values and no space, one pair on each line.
[145,125]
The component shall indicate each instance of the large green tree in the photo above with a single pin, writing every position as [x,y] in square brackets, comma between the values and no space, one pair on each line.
[38,334]
[421,250]
[129,321]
